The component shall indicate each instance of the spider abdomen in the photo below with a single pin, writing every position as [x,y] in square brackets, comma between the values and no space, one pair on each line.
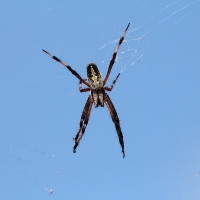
[94,77]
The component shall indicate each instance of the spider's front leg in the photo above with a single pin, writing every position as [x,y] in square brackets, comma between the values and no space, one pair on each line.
[68,67]
[83,122]
[115,55]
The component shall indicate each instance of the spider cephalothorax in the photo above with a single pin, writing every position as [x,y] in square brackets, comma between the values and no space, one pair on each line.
[98,96]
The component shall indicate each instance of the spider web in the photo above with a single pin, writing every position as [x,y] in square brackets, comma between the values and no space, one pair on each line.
[95,43]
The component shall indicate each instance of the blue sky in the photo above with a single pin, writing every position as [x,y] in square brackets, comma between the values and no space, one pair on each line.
[157,98]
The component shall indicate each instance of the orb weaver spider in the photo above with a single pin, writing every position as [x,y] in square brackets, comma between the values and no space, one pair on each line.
[98,96]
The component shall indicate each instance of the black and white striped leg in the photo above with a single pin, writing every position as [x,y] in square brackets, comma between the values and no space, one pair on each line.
[68,67]
[115,119]
[114,55]
[83,122]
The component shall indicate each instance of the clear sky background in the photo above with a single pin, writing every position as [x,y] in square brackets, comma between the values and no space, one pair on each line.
[157,98]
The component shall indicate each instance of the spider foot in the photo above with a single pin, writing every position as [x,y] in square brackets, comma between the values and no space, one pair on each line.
[74,149]
[123,153]
[45,51]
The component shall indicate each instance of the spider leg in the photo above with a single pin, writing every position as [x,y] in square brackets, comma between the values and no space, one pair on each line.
[68,67]
[113,83]
[83,122]
[115,119]
[114,55]
[83,89]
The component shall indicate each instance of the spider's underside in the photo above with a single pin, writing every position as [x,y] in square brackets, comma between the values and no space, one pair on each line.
[98,96]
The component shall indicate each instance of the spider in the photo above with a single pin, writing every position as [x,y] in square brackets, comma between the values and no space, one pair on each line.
[96,85]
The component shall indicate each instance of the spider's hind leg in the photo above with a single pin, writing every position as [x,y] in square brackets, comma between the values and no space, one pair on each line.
[115,119]
[83,122]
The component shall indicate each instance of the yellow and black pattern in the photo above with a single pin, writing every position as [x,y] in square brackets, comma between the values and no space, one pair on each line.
[94,76]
